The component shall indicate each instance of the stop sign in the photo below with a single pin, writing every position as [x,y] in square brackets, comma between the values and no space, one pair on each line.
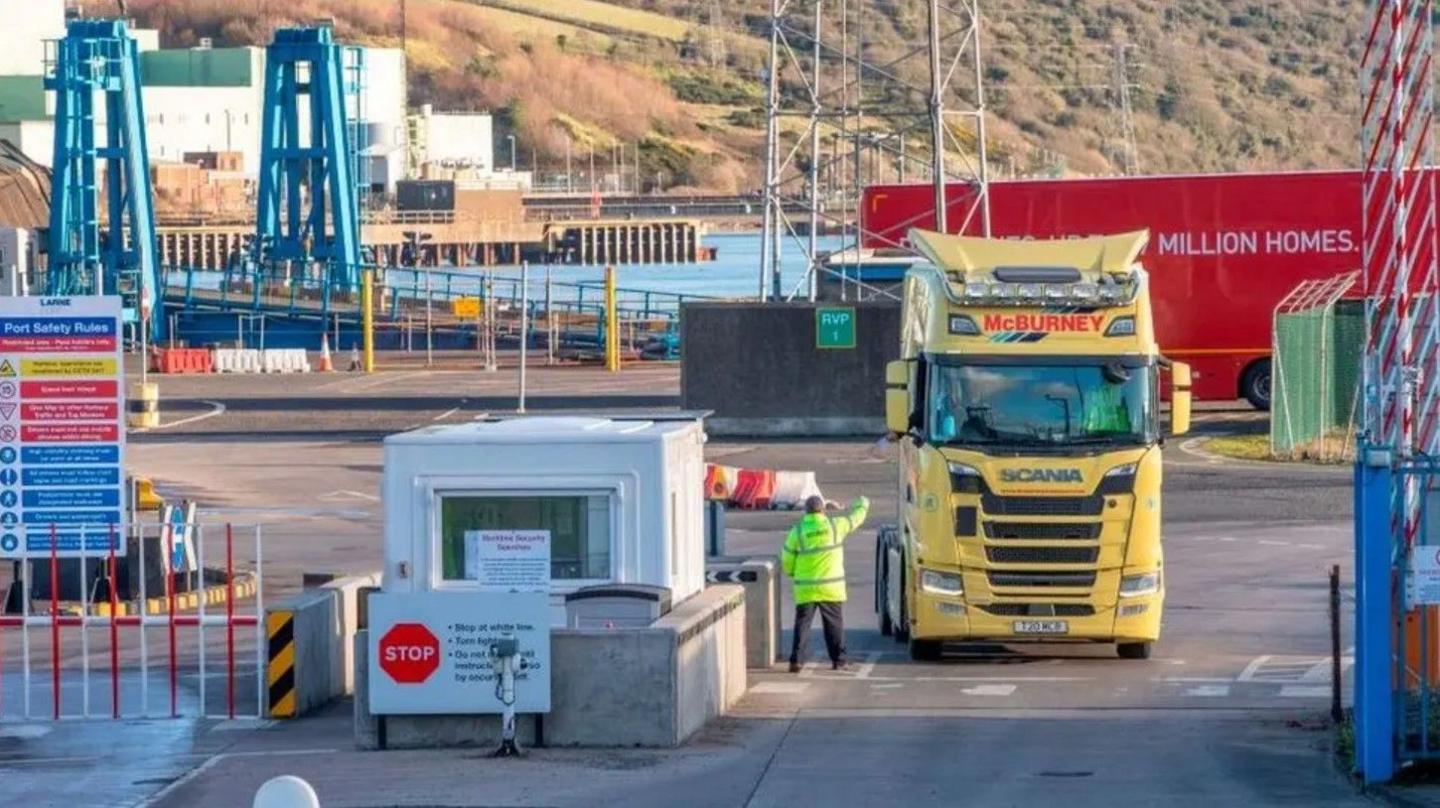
[409,653]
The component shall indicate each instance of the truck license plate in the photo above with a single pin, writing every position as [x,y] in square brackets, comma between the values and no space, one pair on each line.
[1041,627]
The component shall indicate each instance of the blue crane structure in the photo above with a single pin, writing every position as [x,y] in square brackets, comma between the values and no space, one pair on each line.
[95,74]
[309,207]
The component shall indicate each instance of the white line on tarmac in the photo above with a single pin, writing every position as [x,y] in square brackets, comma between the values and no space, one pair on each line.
[868,667]
[989,690]
[1304,691]
[1270,543]
[1209,690]
[189,776]
[886,686]
[216,409]
[446,414]
[1255,664]
[1193,679]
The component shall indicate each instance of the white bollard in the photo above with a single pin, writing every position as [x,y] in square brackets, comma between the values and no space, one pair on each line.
[286,791]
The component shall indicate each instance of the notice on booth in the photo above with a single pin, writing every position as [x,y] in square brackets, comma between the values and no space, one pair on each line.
[62,428]
[514,560]
[1424,575]
[434,652]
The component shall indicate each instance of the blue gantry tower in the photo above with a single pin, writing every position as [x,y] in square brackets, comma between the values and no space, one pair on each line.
[99,116]
[309,204]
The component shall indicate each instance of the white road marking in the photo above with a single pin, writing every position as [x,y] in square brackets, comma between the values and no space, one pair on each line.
[446,414]
[1193,679]
[25,731]
[1209,690]
[989,690]
[216,408]
[886,686]
[1248,674]
[1269,543]
[1227,538]
[808,669]
[1304,691]
[780,687]
[1311,546]
[868,666]
[216,760]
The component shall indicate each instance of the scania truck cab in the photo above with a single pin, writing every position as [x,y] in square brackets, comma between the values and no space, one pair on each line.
[1027,409]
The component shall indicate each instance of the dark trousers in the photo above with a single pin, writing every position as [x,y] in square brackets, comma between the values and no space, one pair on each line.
[833,622]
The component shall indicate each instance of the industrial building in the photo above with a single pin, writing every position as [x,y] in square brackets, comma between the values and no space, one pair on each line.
[197,100]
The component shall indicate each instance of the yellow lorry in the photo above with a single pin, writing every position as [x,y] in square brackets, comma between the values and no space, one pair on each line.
[1027,408]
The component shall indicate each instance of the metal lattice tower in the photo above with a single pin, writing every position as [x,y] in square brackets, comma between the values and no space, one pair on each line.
[99,116]
[308,205]
[1119,96]
[841,115]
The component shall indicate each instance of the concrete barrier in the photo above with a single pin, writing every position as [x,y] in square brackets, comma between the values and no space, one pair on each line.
[310,655]
[651,687]
[793,387]
[761,579]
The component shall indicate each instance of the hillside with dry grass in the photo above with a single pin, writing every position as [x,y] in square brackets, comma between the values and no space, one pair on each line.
[1216,85]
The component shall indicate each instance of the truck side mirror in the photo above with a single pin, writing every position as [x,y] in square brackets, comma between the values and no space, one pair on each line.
[897,398]
[1179,398]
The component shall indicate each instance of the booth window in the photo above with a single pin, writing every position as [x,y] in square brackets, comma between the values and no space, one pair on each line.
[579,526]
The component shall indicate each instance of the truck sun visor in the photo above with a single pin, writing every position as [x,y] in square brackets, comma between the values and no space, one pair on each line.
[1037,274]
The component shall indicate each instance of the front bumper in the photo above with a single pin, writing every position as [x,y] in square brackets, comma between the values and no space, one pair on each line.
[939,617]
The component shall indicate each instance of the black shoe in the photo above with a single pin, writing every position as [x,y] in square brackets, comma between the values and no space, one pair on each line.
[794,667]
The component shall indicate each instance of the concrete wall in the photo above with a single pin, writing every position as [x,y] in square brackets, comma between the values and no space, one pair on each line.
[757,368]
[326,620]
[760,578]
[653,687]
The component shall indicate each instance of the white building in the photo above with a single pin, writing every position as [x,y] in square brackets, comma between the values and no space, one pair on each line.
[456,139]
[23,36]
[199,99]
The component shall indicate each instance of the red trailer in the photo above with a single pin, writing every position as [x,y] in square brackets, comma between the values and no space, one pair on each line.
[1224,249]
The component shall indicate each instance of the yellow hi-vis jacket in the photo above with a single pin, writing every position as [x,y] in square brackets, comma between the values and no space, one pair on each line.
[814,553]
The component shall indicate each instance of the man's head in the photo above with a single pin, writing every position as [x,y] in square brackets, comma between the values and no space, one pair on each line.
[815,505]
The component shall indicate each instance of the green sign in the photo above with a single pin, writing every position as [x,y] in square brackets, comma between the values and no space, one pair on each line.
[835,328]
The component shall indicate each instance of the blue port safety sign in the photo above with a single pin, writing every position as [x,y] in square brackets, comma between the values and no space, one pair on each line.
[62,434]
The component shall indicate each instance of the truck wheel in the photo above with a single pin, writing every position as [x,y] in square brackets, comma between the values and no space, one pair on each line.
[901,624]
[926,650]
[1255,385]
[1135,650]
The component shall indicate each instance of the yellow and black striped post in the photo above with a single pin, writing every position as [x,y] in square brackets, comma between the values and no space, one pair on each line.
[143,408]
[280,670]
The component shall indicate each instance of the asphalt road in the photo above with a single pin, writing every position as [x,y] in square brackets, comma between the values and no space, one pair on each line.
[1230,711]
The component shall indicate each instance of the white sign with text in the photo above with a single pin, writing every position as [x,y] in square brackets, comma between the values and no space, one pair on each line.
[513,560]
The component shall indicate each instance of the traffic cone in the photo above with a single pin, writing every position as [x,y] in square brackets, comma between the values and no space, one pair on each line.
[325,364]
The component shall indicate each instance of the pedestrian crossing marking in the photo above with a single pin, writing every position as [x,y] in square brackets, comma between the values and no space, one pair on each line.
[783,688]
[1209,690]
[1304,691]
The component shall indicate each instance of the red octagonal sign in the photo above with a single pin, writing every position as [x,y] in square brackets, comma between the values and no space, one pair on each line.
[409,653]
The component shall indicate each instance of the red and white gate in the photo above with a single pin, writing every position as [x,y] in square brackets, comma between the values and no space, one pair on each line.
[206,622]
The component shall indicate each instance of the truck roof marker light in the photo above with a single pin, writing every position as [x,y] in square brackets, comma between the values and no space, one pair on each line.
[1085,291]
[1121,327]
[977,290]
[1057,292]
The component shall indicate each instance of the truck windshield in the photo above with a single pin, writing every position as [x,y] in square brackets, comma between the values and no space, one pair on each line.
[1040,405]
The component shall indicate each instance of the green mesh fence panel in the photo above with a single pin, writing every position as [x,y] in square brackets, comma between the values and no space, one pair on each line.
[1316,369]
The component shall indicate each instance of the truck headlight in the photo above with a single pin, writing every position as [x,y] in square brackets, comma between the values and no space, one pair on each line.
[964,479]
[941,583]
[1134,586]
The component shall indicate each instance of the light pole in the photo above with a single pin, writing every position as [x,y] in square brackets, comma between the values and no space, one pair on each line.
[511,138]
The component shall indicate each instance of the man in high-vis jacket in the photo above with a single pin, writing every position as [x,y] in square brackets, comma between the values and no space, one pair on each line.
[814,558]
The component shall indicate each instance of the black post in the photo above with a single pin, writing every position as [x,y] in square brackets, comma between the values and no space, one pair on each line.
[1336,713]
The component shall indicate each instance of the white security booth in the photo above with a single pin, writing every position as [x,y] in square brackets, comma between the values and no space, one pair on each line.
[622,500]
[496,532]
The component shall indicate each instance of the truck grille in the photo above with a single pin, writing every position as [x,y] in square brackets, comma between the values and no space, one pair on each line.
[1042,555]
[1045,578]
[1039,609]
[1044,531]
[997,505]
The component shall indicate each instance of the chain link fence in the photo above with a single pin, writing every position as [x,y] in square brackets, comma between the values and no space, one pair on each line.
[1319,338]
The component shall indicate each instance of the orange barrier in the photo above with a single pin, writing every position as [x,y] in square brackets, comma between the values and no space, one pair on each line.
[182,360]
[754,489]
[720,482]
